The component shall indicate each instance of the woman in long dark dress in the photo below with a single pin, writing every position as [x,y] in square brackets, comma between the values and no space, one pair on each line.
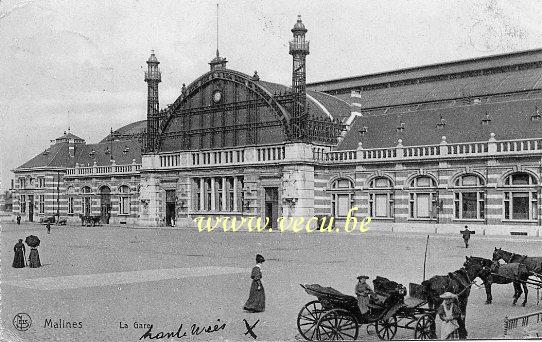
[18,260]
[256,299]
[34,258]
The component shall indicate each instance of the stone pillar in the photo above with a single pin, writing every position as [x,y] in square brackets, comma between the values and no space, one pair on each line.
[298,191]
[224,193]
[149,201]
[202,194]
[235,184]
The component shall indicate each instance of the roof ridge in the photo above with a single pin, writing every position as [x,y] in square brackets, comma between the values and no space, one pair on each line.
[430,66]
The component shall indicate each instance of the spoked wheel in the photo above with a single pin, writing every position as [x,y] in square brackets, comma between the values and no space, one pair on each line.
[386,328]
[308,318]
[337,325]
[423,329]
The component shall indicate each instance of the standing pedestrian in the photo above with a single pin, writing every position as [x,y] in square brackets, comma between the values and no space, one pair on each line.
[18,219]
[48,227]
[34,257]
[18,260]
[256,299]
[466,236]
[450,314]
[363,292]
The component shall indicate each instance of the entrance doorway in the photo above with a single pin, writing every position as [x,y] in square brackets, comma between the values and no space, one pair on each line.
[105,204]
[30,208]
[272,206]
[170,207]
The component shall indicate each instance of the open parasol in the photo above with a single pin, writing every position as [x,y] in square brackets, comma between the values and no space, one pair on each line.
[32,241]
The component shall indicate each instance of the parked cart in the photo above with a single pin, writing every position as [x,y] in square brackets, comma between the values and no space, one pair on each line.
[336,316]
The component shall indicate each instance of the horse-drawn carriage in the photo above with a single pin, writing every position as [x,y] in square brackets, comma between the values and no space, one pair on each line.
[90,220]
[336,316]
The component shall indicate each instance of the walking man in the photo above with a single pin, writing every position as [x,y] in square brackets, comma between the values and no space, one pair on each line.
[48,228]
[466,236]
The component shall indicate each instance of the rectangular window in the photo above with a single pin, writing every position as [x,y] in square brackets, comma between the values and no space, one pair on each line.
[42,204]
[70,205]
[218,194]
[23,204]
[22,183]
[520,206]
[423,204]
[457,205]
[41,182]
[343,205]
[381,207]
[470,205]
[207,194]
[124,205]
[197,194]
[229,201]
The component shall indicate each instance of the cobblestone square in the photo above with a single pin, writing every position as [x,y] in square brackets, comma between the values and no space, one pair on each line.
[117,281]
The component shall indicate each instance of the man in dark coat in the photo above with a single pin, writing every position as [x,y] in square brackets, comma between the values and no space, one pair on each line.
[18,219]
[48,228]
[466,236]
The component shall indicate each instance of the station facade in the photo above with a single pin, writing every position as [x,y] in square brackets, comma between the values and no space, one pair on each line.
[430,148]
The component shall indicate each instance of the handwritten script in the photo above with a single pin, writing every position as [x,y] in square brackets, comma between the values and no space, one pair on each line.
[195,330]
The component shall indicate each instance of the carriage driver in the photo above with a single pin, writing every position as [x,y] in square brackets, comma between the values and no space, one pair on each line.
[363,292]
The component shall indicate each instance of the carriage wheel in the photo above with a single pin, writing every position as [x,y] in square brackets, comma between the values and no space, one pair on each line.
[337,325]
[308,318]
[386,328]
[423,327]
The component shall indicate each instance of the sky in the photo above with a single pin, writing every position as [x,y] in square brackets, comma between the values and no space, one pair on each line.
[80,64]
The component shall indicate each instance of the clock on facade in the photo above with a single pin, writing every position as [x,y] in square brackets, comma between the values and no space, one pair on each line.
[217,96]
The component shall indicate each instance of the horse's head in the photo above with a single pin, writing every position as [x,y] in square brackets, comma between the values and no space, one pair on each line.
[498,254]
[487,266]
[475,266]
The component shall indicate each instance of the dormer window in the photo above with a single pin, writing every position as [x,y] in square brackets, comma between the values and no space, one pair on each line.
[126,150]
[92,153]
[536,116]
[401,127]
[486,120]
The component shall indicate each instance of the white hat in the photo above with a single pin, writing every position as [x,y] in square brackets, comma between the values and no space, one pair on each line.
[448,295]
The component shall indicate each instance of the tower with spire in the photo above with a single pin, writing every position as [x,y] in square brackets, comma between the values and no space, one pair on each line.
[153,76]
[299,49]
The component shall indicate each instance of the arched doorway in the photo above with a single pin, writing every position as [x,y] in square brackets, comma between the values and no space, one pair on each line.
[105,203]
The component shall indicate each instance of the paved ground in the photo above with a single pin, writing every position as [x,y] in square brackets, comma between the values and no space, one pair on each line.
[105,277]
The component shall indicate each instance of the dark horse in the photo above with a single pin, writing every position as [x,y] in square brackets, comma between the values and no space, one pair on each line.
[459,283]
[534,264]
[494,273]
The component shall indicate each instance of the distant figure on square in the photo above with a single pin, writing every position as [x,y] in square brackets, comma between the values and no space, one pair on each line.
[466,236]
[450,314]
[18,219]
[256,299]
[48,228]
[363,292]
[34,258]
[18,260]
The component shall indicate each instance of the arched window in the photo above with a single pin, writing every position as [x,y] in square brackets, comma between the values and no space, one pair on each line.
[469,198]
[423,198]
[520,200]
[124,200]
[381,198]
[86,190]
[342,197]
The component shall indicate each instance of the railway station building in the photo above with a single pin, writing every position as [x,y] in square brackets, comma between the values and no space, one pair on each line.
[430,148]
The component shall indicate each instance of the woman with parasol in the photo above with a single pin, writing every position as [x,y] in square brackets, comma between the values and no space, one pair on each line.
[34,257]
[18,260]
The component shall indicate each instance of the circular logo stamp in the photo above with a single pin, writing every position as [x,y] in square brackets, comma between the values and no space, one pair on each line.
[22,321]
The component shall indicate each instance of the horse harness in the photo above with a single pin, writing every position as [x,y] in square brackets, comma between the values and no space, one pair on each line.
[461,280]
